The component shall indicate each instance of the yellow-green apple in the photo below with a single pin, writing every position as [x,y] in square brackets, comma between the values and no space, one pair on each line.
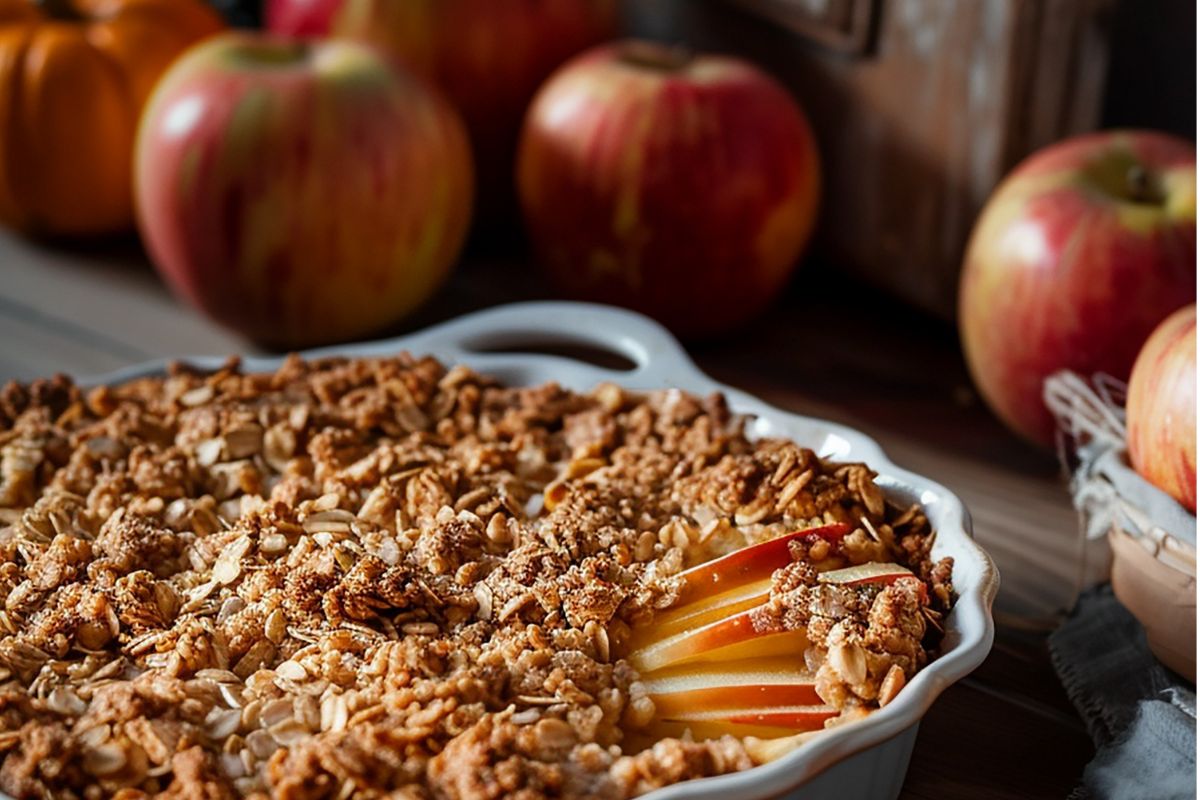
[488,56]
[1161,408]
[683,186]
[300,192]
[1077,256]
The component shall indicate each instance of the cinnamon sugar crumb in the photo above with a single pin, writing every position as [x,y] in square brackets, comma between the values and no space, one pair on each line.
[379,577]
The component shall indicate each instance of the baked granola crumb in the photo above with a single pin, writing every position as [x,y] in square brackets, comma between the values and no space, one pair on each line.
[380,578]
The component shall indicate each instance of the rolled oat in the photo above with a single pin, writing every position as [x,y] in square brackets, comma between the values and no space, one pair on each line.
[354,577]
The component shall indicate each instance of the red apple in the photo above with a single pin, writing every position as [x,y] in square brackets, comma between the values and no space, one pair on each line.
[300,193]
[300,17]
[1082,250]
[488,56]
[683,186]
[1161,408]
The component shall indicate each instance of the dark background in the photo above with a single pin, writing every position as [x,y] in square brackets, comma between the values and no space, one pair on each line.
[1151,82]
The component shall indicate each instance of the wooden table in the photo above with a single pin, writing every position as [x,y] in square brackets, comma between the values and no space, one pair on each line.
[828,349]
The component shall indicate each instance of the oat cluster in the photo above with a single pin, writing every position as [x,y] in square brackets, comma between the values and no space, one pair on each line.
[385,578]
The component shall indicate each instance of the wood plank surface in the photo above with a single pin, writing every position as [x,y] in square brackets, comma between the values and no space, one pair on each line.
[828,349]
[92,309]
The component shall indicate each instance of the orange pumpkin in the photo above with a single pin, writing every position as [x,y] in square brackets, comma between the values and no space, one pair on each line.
[74,75]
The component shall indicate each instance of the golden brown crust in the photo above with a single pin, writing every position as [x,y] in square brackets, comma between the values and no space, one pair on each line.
[382,578]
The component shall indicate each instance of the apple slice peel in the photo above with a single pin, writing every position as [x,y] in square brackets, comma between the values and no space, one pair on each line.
[871,572]
[796,718]
[748,564]
[714,602]
[711,609]
[726,638]
[715,666]
[763,682]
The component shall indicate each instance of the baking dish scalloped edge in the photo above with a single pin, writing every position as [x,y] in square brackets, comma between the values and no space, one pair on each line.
[865,759]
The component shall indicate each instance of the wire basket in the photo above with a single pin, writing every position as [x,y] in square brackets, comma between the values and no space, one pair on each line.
[1132,533]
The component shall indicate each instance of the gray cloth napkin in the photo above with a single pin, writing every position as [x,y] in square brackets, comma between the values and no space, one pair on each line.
[1141,716]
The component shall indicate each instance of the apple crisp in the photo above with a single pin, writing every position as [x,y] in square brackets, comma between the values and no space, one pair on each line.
[381,578]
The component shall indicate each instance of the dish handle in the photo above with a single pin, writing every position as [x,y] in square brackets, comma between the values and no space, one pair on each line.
[656,357]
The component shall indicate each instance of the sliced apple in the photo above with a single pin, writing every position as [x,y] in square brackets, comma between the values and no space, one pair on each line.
[712,666]
[794,718]
[735,696]
[768,748]
[726,639]
[708,609]
[725,586]
[748,595]
[749,683]
[871,572]
[748,564]
[711,619]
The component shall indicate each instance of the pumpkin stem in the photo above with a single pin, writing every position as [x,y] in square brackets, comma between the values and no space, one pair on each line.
[60,10]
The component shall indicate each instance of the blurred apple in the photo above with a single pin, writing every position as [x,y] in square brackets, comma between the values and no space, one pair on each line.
[683,186]
[1161,408]
[300,17]
[300,193]
[488,56]
[1078,255]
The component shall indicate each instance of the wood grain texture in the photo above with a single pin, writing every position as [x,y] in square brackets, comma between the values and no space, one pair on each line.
[87,311]
[841,26]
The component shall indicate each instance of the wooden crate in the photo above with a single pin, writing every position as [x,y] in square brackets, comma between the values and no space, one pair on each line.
[920,107]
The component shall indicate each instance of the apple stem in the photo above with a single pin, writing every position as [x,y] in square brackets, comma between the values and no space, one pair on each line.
[653,55]
[1138,182]
[282,52]
[63,10]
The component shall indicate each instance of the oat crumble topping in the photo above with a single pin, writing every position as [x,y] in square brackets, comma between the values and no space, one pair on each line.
[383,578]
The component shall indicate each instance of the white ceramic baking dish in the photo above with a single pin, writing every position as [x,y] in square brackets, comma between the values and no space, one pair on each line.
[866,760]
